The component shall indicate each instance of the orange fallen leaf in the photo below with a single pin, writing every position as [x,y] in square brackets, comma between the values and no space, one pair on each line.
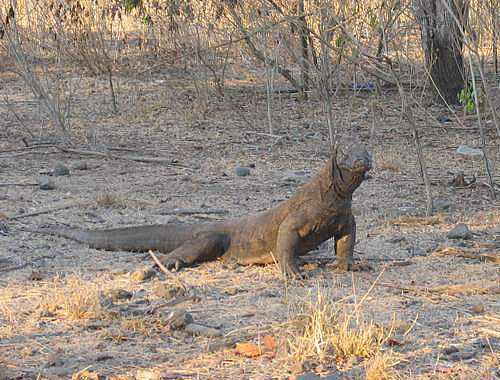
[269,343]
[250,350]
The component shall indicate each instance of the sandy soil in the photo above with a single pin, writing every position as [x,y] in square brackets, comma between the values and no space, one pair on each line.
[444,310]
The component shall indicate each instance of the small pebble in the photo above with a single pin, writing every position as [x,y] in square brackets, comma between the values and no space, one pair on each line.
[80,165]
[46,184]
[478,308]
[242,171]
[118,295]
[461,231]
[60,170]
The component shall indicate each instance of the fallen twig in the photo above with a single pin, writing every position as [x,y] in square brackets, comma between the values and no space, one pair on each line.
[44,211]
[166,271]
[192,211]
[156,160]
[17,184]
[468,254]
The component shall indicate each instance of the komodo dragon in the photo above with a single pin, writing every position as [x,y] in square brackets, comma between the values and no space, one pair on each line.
[319,210]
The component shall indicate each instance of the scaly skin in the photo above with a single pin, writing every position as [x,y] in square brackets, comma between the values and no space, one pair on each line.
[318,211]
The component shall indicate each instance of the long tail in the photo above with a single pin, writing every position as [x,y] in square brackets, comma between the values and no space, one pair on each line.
[137,238]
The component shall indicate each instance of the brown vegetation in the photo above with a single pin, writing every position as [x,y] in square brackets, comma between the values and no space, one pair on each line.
[164,99]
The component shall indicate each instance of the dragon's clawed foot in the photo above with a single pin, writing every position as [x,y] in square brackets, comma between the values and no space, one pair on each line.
[291,270]
[172,263]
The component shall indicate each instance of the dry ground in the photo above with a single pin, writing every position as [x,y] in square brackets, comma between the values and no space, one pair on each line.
[440,314]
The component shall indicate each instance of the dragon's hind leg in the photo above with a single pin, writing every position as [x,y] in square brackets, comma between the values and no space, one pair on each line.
[204,247]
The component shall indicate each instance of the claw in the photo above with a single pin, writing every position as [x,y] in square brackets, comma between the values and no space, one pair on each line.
[291,270]
[173,264]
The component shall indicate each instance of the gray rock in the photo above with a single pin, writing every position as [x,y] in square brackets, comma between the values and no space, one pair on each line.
[196,329]
[450,350]
[332,376]
[469,152]
[80,165]
[461,231]
[46,184]
[242,171]
[396,239]
[441,204]
[178,319]
[60,170]
[462,355]
[118,295]
[308,376]
[294,175]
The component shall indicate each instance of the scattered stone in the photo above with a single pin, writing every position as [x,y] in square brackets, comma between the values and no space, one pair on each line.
[64,373]
[177,319]
[116,295]
[469,152]
[441,204]
[168,291]
[460,181]
[308,376]
[450,350]
[60,170]
[294,175]
[444,119]
[396,239]
[35,276]
[142,275]
[196,329]
[462,355]
[103,357]
[478,308]
[332,376]
[80,165]
[461,231]
[401,263]
[46,183]
[261,377]
[242,171]
[54,360]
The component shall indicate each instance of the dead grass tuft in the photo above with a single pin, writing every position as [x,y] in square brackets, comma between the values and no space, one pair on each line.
[110,200]
[390,160]
[327,332]
[381,367]
[72,299]
[409,221]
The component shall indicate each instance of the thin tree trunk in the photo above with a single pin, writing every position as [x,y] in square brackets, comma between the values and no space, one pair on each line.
[442,42]
[304,64]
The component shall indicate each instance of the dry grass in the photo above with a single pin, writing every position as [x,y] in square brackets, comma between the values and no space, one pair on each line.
[71,299]
[381,367]
[329,333]
[110,200]
[412,221]
[390,160]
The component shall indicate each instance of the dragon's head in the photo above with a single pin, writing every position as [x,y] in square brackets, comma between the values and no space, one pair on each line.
[351,161]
